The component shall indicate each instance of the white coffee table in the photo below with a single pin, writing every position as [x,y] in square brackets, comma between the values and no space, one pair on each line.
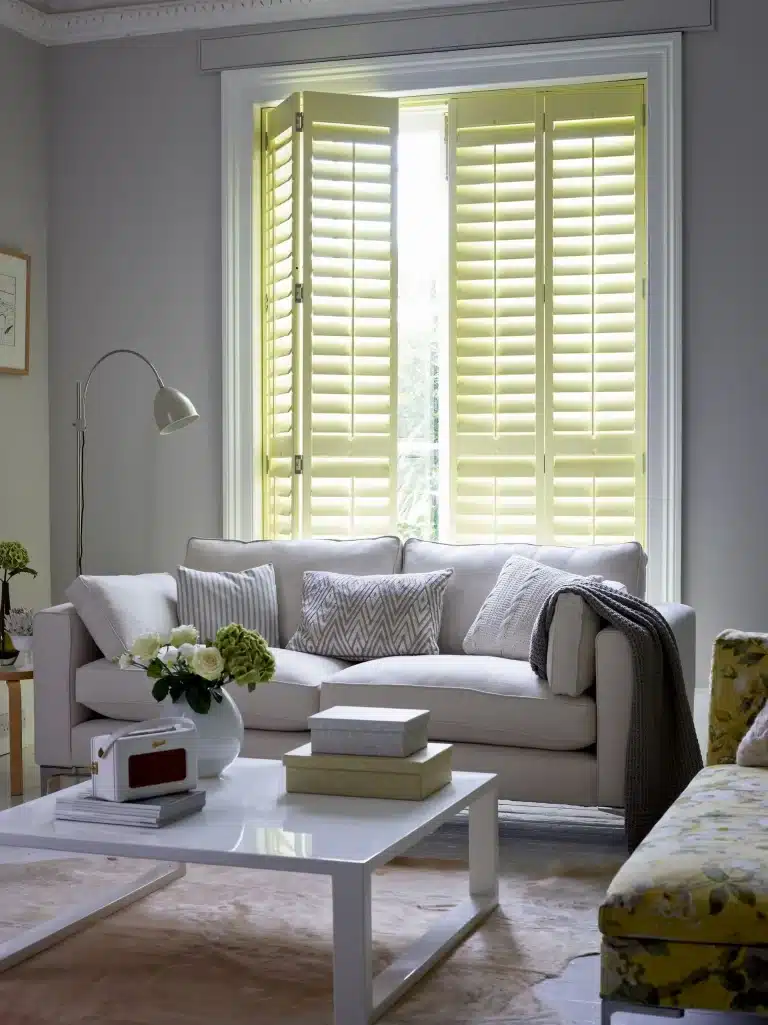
[249,821]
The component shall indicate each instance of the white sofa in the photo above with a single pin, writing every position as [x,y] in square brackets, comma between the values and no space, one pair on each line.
[564,748]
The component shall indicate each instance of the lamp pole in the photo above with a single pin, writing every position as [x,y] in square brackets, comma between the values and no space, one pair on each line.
[173,410]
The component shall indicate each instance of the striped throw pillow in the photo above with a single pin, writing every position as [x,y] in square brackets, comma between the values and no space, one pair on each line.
[212,600]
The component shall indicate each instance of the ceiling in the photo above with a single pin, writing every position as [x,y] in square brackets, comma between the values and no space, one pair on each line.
[273,10]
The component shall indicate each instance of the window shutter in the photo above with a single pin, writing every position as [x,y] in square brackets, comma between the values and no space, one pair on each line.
[496,339]
[595,314]
[349,315]
[281,324]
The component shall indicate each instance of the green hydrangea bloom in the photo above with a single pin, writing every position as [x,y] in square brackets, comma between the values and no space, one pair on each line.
[13,555]
[247,659]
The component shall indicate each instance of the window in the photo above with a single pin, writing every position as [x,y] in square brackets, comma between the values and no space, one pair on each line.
[453,318]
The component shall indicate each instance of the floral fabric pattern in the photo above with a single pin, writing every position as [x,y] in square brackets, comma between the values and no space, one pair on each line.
[738,691]
[701,874]
[712,977]
[685,921]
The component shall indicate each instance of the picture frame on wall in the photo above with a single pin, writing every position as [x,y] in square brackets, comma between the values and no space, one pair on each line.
[14,312]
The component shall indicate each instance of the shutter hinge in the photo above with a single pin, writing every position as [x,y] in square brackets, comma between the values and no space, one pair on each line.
[543,291]
[300,121]
[298,293]
[544,458]
[645,288]
[645,114]
[266,464]
[266,140]
[298,465]
[643,463]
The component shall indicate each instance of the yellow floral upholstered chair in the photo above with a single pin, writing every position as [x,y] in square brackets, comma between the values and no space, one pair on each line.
[685,921]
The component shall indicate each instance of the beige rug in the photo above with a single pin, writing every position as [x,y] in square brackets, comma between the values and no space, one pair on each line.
[233,947]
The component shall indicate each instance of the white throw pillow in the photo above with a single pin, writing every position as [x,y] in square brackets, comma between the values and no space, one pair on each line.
[753,750]
[117,609]
[506,619]
[212,600]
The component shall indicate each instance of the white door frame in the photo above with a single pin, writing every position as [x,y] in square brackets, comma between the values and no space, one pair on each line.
[658,59]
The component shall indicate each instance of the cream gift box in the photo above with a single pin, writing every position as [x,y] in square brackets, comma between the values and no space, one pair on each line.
[403,779]
[350,730]
[145,759]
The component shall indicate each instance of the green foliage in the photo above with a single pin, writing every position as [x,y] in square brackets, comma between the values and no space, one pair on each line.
[14,559]
[247,659]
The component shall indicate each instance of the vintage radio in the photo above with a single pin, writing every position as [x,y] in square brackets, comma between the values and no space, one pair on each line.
[145,759]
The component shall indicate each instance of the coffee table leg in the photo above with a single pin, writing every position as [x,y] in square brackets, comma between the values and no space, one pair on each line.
[102,905]
[484,846]
[352,978]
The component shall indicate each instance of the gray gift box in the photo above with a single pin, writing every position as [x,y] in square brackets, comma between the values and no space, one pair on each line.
[350,730]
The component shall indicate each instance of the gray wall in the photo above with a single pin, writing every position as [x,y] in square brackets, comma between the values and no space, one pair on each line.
[135,261]
[135,257]
[24,505]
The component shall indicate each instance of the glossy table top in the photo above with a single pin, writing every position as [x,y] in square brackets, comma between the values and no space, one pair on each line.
[249,820]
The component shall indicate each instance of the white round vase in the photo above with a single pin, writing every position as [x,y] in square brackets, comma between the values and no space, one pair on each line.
[219,734]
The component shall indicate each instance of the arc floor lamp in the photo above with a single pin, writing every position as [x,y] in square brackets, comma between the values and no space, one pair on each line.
[173,410]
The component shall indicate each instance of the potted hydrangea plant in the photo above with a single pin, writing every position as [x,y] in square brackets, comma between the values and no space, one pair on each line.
[14,559]
[194,675]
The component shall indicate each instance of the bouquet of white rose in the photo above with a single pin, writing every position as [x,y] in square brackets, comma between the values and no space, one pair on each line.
[180,666]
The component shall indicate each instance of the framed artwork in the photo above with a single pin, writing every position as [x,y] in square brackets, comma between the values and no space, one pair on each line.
[14,312]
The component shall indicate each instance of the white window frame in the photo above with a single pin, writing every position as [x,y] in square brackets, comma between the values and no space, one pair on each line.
[657,59]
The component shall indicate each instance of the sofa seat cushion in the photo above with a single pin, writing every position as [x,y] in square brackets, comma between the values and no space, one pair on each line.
[701,874]
[284,703]
[474,698]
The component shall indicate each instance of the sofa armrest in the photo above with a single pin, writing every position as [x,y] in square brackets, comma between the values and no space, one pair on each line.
[613,695]
[61,644]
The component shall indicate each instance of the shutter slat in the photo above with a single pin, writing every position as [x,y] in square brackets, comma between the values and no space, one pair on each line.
[350,308]
[495,335]
[595,319]
[281,327]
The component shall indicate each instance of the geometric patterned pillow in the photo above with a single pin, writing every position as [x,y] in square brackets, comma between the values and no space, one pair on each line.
[357,618]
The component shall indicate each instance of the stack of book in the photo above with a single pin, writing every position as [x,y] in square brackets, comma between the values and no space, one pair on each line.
[82,806]
[369,752]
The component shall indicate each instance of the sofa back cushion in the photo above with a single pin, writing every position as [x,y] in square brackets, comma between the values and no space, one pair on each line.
[476,569]
[291,559]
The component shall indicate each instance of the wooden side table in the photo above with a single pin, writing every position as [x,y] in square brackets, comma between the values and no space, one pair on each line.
[13,678]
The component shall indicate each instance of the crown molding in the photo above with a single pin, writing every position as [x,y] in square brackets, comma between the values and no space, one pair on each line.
[65,27]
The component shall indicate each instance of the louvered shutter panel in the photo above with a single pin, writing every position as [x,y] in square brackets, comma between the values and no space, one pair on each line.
[281,323]
[595,320]
[496,339]
[349,315]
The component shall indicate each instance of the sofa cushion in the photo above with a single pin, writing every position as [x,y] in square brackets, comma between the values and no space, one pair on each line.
[504,625]
[372,616]
[701,874]
[118,609]
[474,698]
[284,703]
[290,559]
[476,568]
[212,600]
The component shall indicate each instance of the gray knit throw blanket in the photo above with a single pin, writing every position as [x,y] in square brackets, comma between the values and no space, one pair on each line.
[663,754]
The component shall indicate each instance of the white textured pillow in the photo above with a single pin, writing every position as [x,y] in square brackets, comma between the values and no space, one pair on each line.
[117,609]
[506,619]
[753,749]
[212,600]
